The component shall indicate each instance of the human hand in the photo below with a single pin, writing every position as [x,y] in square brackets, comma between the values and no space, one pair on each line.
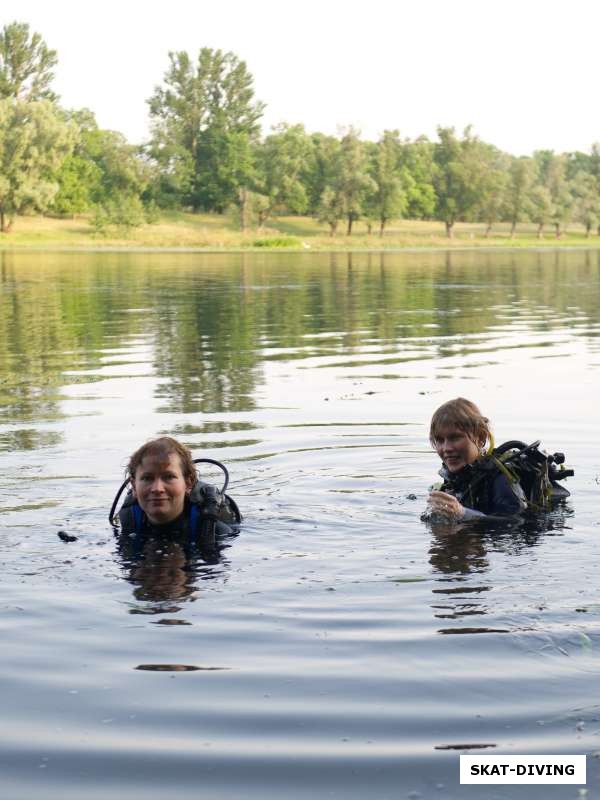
[447,504]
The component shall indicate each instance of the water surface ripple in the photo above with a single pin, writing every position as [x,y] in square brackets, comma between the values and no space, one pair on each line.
[339,646]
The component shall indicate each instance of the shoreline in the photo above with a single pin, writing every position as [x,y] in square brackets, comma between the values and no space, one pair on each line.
[184,232]
[499,248]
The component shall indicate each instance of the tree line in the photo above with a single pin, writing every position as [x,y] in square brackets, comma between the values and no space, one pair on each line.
[206,153]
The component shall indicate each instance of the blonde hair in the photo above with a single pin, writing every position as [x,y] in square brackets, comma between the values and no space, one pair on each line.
[464,415]
[162,448]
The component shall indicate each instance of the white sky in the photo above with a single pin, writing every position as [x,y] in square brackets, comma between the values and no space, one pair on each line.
[525,73]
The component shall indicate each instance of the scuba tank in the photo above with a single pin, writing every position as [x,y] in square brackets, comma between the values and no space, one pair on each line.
[211,510]
[538,472]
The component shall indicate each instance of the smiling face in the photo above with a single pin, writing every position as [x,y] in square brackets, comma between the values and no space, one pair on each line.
[160,487]
[455,447]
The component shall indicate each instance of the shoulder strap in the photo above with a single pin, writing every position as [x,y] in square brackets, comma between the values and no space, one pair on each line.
[131,516]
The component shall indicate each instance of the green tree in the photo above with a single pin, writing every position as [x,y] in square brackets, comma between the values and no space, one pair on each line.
[594,168]
[552,175]
[77,179]
[26,64]
[520,181]
[204,122]
[104,169]
[280,160]
[587,200]
[391,181]
[492,186]
[34,142]
[331,209]
[351,181]
[417,159]
[541,207]
[458,177]
[318,170]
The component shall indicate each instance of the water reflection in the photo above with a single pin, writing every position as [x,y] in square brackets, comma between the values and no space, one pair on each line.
[207,326]
[341,613]
[163,570]
[459,553]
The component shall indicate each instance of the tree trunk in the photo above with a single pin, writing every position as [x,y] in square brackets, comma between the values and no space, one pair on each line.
[369,227]
[488,230]
[243,202]
[5,223]
[349,228]
[558,230]
[449,229]
[540,230]
[333,227]
[513,228]
[588,230]
[382,227]
[263,216]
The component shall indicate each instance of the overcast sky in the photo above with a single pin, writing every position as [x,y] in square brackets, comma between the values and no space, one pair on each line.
[524,74]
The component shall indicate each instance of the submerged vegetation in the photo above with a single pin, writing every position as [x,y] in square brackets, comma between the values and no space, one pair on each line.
[208,177]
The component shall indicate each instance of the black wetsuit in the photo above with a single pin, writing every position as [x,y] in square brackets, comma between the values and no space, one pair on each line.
[207,513]
[483,492]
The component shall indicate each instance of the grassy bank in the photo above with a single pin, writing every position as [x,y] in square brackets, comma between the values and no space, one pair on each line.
[213,232]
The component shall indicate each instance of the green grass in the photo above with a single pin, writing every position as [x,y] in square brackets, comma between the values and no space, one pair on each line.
[179,230]
[277,241]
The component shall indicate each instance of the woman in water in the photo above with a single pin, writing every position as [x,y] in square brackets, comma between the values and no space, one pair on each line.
[166,496]
[474,485]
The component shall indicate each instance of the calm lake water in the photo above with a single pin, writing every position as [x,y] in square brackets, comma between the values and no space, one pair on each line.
[341,647]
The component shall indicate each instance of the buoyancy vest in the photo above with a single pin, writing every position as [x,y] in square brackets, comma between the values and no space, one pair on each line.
[208,513]
[531,473]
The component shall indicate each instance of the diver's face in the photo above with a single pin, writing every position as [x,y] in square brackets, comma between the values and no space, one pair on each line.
[455,448]
[160,488]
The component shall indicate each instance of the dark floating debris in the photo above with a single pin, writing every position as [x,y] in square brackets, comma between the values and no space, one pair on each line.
[66,537]
[177,668]
[463,746]
[171,622]
[148,612]
[472,630]
[411,497]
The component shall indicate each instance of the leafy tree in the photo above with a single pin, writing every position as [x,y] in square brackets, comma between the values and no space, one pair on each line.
[331,209]
[318,170]
[122,170]
[123,213]
[541,207]
[34,142]
[520,180]
[205,120]
[492,186]
[594,168]
[103,170]
[351,180]
[26,64]
[552,170]
[417,159]
[280,160]
[587,200]
[388,198]
[77,180]
[458,177]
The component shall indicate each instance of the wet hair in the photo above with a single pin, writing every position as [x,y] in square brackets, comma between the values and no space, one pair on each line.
[464,415]
[163,448]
